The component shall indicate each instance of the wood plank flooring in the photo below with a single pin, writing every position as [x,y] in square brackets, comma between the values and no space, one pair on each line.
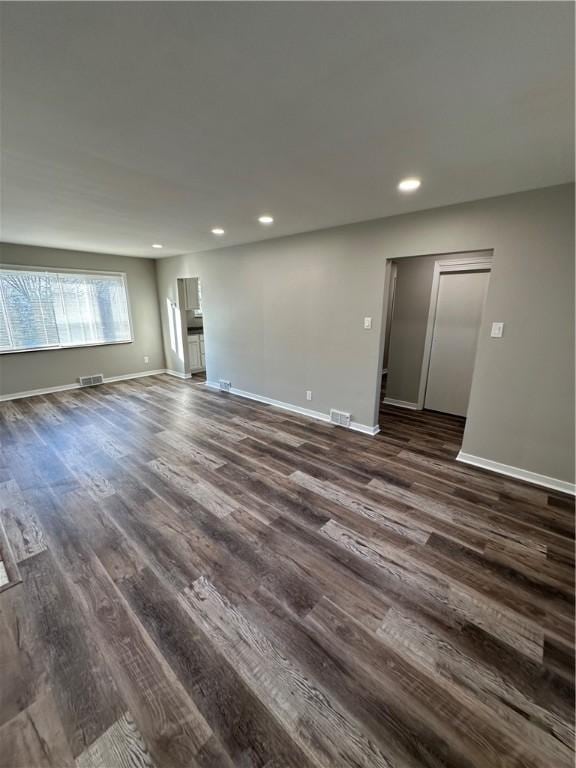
[208,581]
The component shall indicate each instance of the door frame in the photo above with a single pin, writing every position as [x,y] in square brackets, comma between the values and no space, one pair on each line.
[480,262]
[389,315]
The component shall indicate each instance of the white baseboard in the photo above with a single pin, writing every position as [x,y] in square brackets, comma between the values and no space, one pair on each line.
[139,375]
[75,385]
[365,429]
[518,474]
[401,403]
[33,392]
[318,415]
[178,374]
[270,401]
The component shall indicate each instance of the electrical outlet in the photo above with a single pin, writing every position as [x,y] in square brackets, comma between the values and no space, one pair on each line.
[367,323]
[308,394]
[146,359]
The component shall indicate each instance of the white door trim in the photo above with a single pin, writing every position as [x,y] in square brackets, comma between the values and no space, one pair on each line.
[481,261]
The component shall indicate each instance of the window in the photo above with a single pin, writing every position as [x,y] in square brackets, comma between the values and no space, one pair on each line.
[49,309]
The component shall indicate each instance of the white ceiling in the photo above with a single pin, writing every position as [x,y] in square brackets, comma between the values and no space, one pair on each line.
[126,124]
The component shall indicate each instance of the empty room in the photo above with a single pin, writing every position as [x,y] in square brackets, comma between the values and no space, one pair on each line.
[287,385]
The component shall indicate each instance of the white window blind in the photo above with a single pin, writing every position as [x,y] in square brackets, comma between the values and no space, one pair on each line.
[46,309]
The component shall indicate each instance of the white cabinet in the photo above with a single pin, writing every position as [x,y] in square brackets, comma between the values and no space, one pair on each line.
[196,352]
[191,293]
[202,353]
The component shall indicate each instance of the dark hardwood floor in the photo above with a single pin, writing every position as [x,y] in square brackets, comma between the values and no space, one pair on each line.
[207,581]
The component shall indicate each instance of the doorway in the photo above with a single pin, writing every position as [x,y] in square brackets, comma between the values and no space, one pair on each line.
[192,322]
[434,315]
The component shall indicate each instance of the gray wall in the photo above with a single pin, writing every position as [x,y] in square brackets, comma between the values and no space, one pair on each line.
[408,327]
[285,315]
[23,371]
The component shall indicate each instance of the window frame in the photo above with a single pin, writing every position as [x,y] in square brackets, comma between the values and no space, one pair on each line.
[72,271]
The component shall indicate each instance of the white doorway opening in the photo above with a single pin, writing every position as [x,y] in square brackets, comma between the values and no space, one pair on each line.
[192,327]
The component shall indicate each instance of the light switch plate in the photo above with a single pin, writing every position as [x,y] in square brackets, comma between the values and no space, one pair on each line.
[367,323]
[497,330]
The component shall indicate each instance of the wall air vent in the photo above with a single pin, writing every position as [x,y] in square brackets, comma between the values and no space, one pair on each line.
[225,386]
[340,417]
[90,381]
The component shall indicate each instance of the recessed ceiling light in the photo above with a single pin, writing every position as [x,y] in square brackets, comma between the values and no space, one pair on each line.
[265,219]
[157,245]
[218,231]
[409,185]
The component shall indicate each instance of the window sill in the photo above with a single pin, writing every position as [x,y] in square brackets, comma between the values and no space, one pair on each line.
[65,346]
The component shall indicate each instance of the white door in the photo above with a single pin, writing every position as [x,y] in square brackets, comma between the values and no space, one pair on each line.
[456,325]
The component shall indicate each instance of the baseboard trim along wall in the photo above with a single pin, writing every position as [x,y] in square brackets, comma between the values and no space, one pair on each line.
[76,385]
[401,403]
[517,473]
[318,415]
[139,375]
[178,374]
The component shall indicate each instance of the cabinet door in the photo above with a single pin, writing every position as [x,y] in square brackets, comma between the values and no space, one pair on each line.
[192,298]
[202,351]
[194,354]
